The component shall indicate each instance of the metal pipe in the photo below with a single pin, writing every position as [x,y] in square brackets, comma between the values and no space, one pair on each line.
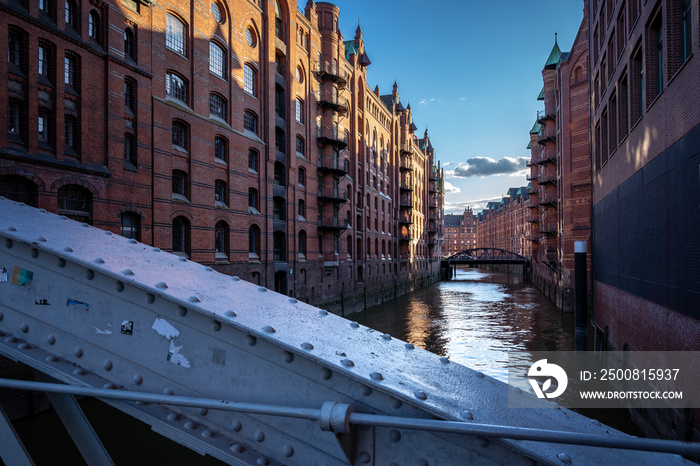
[623,442]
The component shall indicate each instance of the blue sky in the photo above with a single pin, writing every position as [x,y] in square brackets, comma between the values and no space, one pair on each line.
[471,71]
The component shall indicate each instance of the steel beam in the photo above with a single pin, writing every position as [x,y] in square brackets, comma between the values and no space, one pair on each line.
[12,449]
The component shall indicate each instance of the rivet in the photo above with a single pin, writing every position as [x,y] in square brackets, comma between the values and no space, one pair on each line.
[68,249]
[394,435]
[108,365]
[99,260]
[190,425]
[132,241]
[468,415]
[162,285]
[85,225]
[364,457]
[119,286]
[262,289]
[376,376]
[193,299]
[386,337]
[307,346]
[236,448]
[35,253]
[347,363]
[396,404]
[366,391]
[354,325]
[420,395]
[292,300]
[127,272]
[409,346]
[594,422]
[24,328]
[181,311]
[168,391]
[215,326]
[323,312]
[287,356]
[11,340]
[445,360]
[181,259]
[78,352]
[251,340]
[262,461]
[259,436]
[235,279]
[89,274]
[326,373]
[8,242]
[208,269]
[108,233]
[51,340]
[155,249]
[61,262]
[564,458]
[42,239]
[287,450]
[11,229]
[207,434]
[268,329]
[109,386]
[150,298]
[202,411]
[480,375]
[79,371]
[236,425]
[138,379]
[172,417]
[51,358]
[482,442]
[24,346]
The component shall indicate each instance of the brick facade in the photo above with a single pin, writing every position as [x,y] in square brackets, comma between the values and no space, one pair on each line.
[504,224]
[242,135]
[460,232]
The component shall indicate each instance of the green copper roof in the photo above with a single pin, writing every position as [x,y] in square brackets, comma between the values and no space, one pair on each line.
[554,55]
[529,145]
[541,96]
[535,128]
[350,48]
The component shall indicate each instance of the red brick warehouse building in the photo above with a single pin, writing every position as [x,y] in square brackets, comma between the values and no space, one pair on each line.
[242,135]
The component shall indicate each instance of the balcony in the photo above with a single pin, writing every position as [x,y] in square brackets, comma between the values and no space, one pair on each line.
[404,236]
[330,73]
[326,100]
[548,227]
[405,186]
[406,202]
[543,116]
[332,164]
[406,148]
[532,217]
[406,217]
[432,186]
[547,196]
[406,163]
[333,194]
[329,137]
[329,222]
[545,135]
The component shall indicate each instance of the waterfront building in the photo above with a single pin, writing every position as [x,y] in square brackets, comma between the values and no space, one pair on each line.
[560,179]
[243,136]
[503,224]
[460,232]
[645,123]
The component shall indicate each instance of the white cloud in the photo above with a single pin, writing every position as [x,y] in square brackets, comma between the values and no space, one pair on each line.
[451,189]
[486,166]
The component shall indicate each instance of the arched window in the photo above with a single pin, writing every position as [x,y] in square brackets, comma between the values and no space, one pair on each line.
[75,202]
[131,225]
[220,149]
[279,30]
[180,135]
[129,44]
[175,34]
[250,122]
[301,209]
[300,146]
[302,243]
[217,106]
[175,86]
[221,240]
[181,237]
[217,60]
[180,185]
[279,174]
[250,77]
[220,193]
[253,201]
[254,242]
[278,205]
[94,25]
[70,10]
[18,189]
[302,177]
[279,246]
[252,160]
[300,111]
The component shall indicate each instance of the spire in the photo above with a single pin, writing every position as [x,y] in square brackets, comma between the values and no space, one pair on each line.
[358,31]
[554,55]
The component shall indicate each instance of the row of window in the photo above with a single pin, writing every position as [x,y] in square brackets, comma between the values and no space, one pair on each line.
[47,9]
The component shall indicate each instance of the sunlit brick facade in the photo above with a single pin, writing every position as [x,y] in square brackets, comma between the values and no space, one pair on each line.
[460,232]
[504,225]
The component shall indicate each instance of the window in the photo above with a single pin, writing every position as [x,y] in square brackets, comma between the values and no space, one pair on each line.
[654,60]
[221,240]
[181,236]
[217,60]
[250,37]
[279,246]
[301,208]
[250,122]
[253,160]
[47,7]
[279,174]
[302,243]
[70,71]
[279,30]
[15,49]
[254,242]
[216,12]
[279,64]
[69,10]
[279,101]
[220,149]
[130,151]
[636,87]
[94,25]
[43,127]
[686,29]
[75,202]
[300,111]
[175,87]
[179,181]
[180,135]
[44,61]
[278,208]
[220,193]
[131,225]
[70,134]
[217,106]
[14,119]
[253,200]
[175,34]
[249,79]
[300,146]
[300,75]
[129,44]
[302,176]
[129,96]
[18,189]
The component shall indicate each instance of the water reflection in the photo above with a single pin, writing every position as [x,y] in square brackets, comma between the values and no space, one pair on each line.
[476,319]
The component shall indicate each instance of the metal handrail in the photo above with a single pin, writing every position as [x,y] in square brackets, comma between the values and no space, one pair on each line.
[337,417]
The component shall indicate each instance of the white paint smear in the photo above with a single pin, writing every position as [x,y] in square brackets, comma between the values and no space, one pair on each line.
[107,331]
[163,328]
[176,357]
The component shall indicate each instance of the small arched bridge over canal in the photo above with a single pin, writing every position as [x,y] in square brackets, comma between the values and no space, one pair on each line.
[233,370]
[483,256]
